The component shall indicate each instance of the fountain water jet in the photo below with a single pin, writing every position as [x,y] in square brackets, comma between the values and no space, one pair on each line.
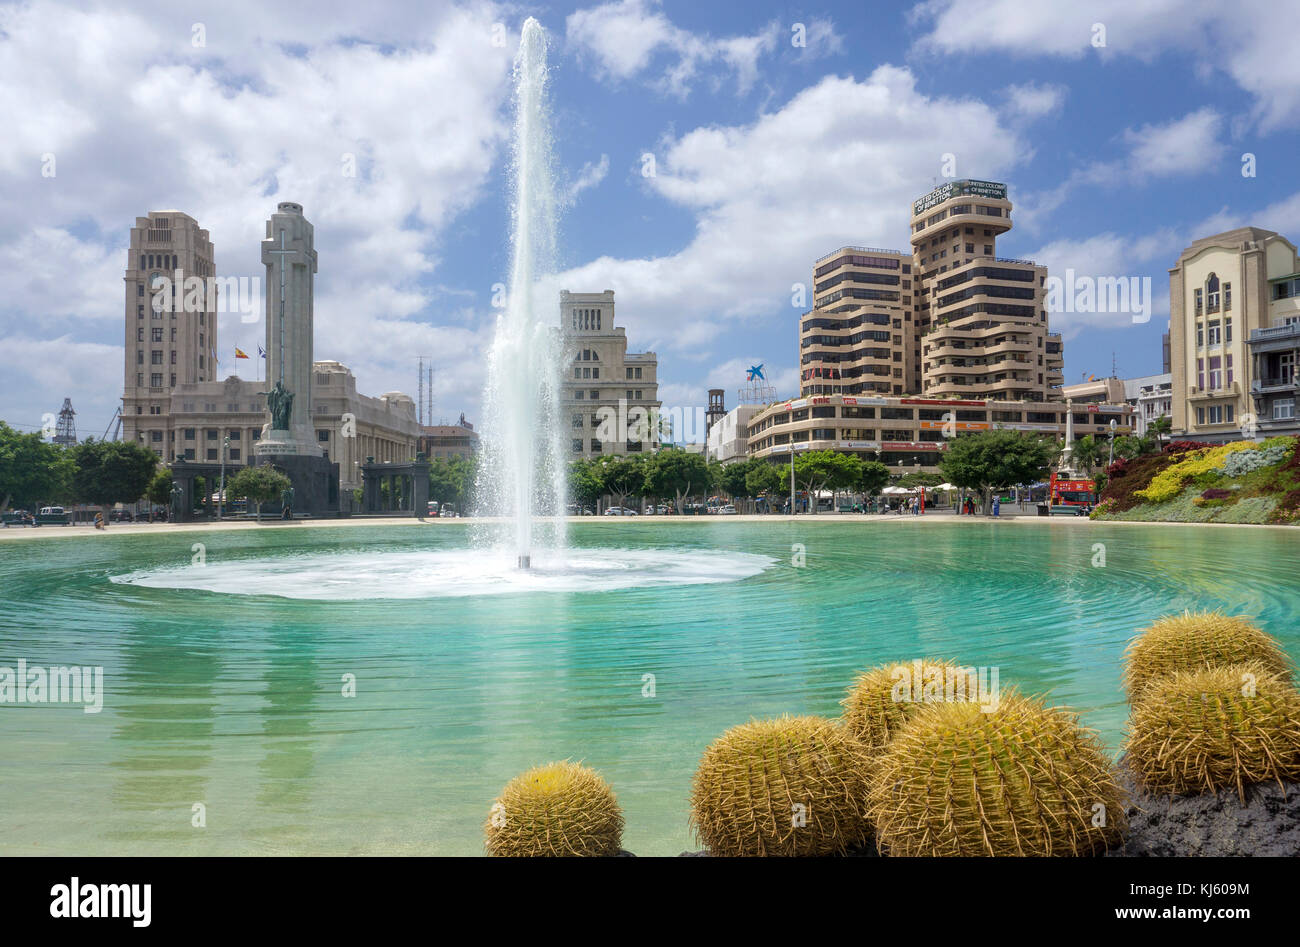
[521,473]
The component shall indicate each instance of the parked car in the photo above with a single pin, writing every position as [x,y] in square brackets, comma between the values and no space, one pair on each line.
[120,516]
[620,511]
[52,516]
[432,509]
[727,510]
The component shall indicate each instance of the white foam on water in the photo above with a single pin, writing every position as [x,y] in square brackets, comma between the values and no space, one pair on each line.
[453,573]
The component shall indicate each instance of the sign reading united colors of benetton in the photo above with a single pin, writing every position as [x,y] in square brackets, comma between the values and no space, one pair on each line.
[991,189]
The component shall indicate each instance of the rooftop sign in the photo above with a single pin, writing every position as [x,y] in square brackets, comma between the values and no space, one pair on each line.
[991,189]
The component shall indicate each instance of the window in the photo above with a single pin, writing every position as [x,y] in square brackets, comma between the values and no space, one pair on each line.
[637,376]
[1200,334]
[139,312]
[1197,298]
[189,434]
[580,394]
[234,453]
[173,381]
[629,374]
[155,357]
[323,436]
[1212,294]
[173,356]
[155,409]
[595,372]
[577,420]
[1200,415]
[210,434]
[1216,374]
[595,393]
[1227,298]
[139,334]
[139,378]
[234,435]
[156,335]
[155,436]
[595,446]
[988,249]
[586,373]
[155,380]
[577,445]
[212,453]
[1283,409]
[577,372]
[638,394]
[629,394]
[139,290]
[139,356]
[189,453]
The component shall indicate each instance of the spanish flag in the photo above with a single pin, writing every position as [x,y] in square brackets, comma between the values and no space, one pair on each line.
[240,353]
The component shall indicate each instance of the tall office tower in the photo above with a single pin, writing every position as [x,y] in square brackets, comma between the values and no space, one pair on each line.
[980,328]
[171,337]
[855,339]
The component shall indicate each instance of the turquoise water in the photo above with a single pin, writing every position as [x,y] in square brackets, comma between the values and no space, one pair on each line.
[233,699]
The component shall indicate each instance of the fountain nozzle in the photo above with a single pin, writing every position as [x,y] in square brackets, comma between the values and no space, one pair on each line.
[525,562]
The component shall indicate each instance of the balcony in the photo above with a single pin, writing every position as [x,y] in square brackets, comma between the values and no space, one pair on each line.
[1277,339]
[1262,386]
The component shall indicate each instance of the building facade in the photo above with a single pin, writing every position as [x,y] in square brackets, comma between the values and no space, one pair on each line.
[728,438]
[1223,296]
[1150,396]
[609,396]
[449,441]
[910,434]
[947,319]
[172,401]
[165,345]
[980,330]
[1275,354]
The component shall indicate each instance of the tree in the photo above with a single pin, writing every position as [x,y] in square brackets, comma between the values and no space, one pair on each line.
[623,475]
[586,482]
[733,479]
[873,477]
[1086,452]
[822,469]
[258,485]
[159,491]
[110,472]
[31,469]
[919,480]
[674,472]
[764,477]
[1160,427]
[987,459]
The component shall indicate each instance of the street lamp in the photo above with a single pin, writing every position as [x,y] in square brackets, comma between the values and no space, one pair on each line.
[221,498]
[1113,424]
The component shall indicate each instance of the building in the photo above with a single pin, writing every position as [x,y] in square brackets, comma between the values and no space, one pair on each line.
[1152,397]
[728,438]
[1275,353]
[949,319]
[980,329]
[610,396]
[165,345]
[854,340]
[1231,326]
[190,414]
[349,427]
[910,434]
[447,441]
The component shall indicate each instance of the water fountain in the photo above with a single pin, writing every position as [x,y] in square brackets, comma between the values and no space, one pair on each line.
[521,473]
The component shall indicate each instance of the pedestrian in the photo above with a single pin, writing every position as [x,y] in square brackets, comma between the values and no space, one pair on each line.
[99,520]
[997,505]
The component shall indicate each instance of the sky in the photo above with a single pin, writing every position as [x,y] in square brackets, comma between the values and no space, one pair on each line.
[778,132]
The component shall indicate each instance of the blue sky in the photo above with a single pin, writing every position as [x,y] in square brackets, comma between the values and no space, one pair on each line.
[767,155]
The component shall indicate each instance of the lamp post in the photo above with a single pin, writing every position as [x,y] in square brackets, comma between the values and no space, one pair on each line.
[1113,424]
[221,497]
[792,509]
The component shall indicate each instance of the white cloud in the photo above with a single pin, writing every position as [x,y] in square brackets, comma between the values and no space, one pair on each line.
[139,119]
[1185,146]
[590,176]
[1250,40]
[625,38]
[772,196]
[820,39]
[1031,100]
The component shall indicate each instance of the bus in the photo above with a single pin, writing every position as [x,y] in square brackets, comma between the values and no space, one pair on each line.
[1067,492]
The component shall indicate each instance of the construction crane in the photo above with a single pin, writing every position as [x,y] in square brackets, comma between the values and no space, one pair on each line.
[114,424]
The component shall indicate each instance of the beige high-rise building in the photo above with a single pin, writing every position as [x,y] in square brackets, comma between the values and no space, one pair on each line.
[166,345]
[854,341]
[610,396]
[948,320]
[1234,335]
[981,328]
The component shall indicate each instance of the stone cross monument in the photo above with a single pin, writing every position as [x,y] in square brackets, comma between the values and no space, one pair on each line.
[290,262]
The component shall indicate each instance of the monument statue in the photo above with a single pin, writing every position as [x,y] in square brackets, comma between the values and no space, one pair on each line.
[280,402]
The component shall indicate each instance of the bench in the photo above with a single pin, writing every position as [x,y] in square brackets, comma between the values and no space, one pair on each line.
[1062,509]
[53,519]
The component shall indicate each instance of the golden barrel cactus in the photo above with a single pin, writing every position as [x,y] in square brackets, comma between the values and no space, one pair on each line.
[1020,779]
[1196,640]
[560,809]
[1215,728]
[786,786]
[881,701]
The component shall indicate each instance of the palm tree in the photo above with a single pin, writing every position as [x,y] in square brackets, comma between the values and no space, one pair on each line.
[1160,427]
[1086,452]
